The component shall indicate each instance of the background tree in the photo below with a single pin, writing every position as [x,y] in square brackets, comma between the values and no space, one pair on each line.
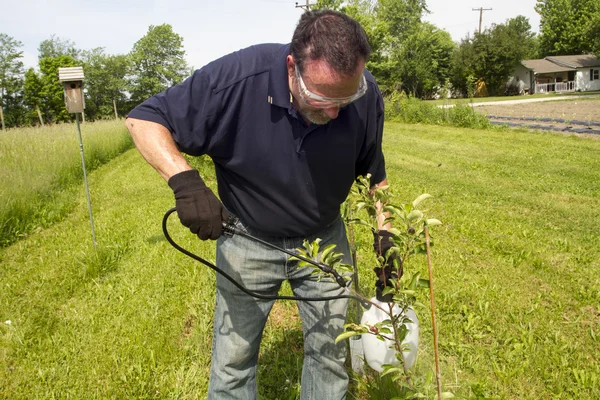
[105,83]
[594,34]
[157,61]
[566,26]
[493,55]
[406,52]
[424,59]
[11,81]
[43,90]
[55,47]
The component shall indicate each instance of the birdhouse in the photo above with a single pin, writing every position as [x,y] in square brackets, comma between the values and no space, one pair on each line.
[72,80]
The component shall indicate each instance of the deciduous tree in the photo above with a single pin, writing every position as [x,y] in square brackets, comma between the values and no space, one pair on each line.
[157,62]
[55,47]
[45,91]
[406,52]
[424,60]
[11,81]
[493,54]
[105,82]
[568,26]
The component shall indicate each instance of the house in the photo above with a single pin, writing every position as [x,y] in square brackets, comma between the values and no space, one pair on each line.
[559,74]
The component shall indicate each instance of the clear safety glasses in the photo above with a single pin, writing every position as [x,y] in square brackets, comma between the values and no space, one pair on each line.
[318,101]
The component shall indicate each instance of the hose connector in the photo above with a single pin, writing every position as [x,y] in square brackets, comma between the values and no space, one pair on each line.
[229,228]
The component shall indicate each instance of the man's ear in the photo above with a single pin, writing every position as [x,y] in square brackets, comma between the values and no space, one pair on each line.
[291,65]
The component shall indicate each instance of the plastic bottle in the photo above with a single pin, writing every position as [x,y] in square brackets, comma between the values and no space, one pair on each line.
[377,352]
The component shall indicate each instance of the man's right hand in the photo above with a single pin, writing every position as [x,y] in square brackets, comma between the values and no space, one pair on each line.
[197,206]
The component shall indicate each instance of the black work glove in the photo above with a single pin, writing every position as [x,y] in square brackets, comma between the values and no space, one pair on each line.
[381,244]
[197,206]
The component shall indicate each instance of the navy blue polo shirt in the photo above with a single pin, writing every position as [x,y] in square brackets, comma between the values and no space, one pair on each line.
[275,172]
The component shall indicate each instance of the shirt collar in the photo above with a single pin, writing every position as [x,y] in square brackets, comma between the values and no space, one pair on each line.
[279,88]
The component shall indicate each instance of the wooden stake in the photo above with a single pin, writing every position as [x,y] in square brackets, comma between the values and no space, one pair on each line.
[39,115]
[115,108]
[438,375]
[2,118]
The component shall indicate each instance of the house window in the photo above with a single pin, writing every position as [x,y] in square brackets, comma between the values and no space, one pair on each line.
[594,74]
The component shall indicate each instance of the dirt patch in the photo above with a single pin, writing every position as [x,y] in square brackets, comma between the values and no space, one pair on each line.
[581,110]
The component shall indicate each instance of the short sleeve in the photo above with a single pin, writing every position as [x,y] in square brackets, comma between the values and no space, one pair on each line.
[187,110]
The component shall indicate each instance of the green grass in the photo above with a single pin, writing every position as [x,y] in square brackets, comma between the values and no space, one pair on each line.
[506,98]
[517,267]
[37,164]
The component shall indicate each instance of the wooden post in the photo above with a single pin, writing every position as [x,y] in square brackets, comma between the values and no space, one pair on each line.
[39,114]
[115,108]
[438,375]
[2,118]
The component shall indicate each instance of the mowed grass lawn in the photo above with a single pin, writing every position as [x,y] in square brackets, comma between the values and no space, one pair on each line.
[517,280]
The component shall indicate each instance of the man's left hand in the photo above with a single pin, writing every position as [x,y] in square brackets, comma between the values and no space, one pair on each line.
[381,244]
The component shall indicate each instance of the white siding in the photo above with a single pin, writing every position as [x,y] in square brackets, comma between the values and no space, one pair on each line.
[583,82]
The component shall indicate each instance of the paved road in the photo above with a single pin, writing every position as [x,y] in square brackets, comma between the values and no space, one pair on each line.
[521,101]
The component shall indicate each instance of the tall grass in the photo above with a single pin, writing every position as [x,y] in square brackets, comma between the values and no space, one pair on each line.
[402,108]
[38,166]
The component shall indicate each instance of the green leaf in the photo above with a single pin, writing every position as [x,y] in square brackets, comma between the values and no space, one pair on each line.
[315,248]
[358,221]
[328,249]
[393,370]
[394,231]
[423,283]
[346,335]
[414,215]
[419,199]
[388,220]
[391,209]
[387,290]
[433,222]
[414,281]
[418,304]
[408,292]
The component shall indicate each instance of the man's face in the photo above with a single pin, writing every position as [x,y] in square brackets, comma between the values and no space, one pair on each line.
[318,90]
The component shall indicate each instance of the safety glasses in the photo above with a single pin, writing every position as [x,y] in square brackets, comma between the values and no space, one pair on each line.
[318,101]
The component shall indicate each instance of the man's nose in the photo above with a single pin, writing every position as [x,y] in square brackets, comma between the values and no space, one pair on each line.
[332,112]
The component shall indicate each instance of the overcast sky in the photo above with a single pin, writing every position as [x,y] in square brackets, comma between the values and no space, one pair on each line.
[209,28]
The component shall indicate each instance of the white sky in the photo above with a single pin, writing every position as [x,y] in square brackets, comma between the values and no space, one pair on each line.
[210,29]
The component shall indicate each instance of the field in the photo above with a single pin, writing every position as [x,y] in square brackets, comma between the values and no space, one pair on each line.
[39,166]
[517,279]
[558,96]
[576,109]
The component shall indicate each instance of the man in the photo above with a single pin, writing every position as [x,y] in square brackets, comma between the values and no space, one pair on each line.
[289,128]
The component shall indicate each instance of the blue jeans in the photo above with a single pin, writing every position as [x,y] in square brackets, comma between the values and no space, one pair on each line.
[240,319]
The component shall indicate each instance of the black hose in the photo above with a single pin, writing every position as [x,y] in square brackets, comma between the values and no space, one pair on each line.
[237,284]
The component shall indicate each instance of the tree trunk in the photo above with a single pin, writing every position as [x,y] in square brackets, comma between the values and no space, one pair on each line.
[115,108]
[39,114]
[2,118]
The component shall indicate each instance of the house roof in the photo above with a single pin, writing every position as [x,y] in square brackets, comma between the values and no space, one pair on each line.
[544,66]
[580,61]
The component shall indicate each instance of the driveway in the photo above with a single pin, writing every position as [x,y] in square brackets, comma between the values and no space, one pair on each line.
[522,101]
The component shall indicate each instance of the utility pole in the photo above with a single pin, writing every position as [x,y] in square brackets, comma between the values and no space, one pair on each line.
[305,7]
[481,10]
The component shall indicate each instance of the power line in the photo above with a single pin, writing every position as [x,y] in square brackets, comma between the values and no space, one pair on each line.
[481,10]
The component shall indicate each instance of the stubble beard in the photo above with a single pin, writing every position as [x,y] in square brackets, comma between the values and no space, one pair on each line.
[314,115]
